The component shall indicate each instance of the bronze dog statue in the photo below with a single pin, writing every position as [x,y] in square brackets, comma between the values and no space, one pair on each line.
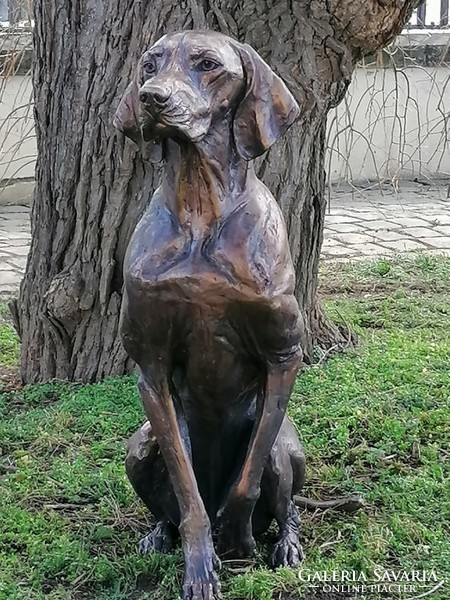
[209,313]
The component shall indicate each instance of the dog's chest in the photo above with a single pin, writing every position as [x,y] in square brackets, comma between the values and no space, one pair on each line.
[225,263]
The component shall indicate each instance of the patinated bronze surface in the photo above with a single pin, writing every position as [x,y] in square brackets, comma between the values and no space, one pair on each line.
[209,313]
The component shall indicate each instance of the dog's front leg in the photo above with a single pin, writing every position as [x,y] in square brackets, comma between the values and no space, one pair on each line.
[236,538]
[200,579]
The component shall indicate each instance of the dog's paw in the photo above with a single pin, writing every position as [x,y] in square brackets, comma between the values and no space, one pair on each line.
[200,579]
[159,540]
[287,552]
[201,590]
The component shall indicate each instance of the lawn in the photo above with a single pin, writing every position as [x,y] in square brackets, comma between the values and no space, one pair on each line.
[374,420]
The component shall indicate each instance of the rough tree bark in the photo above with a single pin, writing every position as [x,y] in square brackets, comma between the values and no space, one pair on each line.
[92,187]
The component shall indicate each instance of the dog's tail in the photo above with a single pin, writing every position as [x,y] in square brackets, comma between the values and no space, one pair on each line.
[348,504]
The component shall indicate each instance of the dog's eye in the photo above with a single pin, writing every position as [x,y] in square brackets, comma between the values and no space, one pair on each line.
[149,68]
[207,64]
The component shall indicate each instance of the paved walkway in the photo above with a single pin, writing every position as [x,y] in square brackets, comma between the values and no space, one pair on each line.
[359,225]
[14,245]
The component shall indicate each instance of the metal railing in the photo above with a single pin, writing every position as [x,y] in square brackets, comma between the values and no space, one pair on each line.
[15,12]
[430,14]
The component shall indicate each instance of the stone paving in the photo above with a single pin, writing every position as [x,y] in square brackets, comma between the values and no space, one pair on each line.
[359,225]
[14,245]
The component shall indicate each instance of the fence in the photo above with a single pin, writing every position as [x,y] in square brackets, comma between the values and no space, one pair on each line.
[394,123]
[15,12]
[430,14]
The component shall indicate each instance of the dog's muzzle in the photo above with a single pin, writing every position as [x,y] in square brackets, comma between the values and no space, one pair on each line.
[174,106]
[154,98]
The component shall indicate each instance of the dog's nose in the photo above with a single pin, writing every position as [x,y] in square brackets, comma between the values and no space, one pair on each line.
[154,94]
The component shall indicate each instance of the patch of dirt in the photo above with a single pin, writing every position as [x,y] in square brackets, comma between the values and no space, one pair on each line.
[9,379]
[379,290]
[319,595]
[79,591]
[14,402]
[6,465]
[145,583]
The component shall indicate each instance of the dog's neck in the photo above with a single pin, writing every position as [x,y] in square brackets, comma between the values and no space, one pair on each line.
[204,180]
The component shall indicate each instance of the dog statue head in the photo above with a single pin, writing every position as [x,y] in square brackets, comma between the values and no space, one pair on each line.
[188,81]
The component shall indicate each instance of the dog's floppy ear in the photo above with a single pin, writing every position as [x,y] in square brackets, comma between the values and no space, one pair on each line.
[267,109]
[126,118]
[128,122]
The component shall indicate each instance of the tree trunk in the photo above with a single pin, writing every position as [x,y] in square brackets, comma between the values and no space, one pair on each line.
[92,188]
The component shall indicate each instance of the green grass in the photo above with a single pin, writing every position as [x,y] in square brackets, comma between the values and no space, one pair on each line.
[415,271]
[9,348]
[373,420]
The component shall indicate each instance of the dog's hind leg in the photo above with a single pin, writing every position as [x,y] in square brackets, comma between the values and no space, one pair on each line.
[283,477]
[288,551]
[160,539]
[148,475]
